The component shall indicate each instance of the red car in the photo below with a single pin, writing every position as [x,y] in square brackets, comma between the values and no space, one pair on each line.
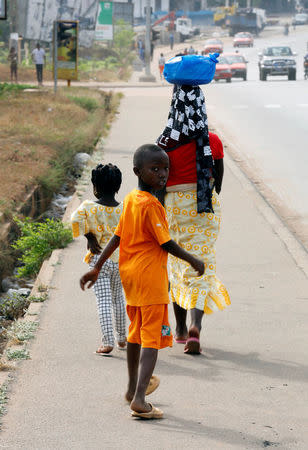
[213,46]
[223,70]
[238,65]
[243,39]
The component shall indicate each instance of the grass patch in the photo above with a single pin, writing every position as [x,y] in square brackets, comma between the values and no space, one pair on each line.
[3,398]
[7,88]
[38,299]
[22,331]
[89,104]
[17,354]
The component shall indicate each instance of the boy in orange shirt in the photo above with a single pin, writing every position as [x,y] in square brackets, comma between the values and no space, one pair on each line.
[144,240]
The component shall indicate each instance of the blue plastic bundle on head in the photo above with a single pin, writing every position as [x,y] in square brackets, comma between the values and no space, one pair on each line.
[191,69]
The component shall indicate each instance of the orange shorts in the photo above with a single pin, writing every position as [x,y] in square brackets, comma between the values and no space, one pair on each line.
[149,326]
[161,69]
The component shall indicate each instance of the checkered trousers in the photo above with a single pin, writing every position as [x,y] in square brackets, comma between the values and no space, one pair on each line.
[110,302]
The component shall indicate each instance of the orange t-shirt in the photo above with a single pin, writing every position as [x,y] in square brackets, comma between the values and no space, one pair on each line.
[143,228]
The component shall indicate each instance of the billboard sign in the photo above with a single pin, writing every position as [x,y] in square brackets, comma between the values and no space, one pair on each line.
[3,10]
[104,23]
[36,18]
[67,53]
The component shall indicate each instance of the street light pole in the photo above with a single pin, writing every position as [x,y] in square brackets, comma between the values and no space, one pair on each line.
[148,76]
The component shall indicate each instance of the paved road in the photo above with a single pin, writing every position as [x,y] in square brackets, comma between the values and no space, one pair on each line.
[267,123]
[247,390]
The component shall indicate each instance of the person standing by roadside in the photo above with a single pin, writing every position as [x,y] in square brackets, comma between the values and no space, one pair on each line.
[171,40]
[13,63]
[161,65]
[39,59]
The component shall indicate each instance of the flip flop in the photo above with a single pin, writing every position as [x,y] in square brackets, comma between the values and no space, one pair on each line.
[101,351]
[155,413]
[153,385]
[121,345]
[192,346]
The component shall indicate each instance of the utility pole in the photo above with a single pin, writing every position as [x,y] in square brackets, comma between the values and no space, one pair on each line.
[248,3]
[227,4]
[148,76]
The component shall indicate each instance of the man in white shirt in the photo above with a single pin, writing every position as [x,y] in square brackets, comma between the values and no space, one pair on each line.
[39,58]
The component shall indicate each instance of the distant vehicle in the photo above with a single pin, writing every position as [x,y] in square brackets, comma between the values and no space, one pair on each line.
[300,19]
[243,40]
[238,65]
[223,70]
[251,20]
[213,45]
[277,61]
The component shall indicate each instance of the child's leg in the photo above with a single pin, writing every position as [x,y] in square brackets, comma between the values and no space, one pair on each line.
[102,291]
[147,364]
[118,304]
[133,355]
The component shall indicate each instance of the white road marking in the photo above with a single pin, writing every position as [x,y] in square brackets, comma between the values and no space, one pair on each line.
[272,106]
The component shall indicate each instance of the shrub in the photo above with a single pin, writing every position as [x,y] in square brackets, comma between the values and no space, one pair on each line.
[13,306]
[37,241]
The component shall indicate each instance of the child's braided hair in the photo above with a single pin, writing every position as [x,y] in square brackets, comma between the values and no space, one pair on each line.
[106,178]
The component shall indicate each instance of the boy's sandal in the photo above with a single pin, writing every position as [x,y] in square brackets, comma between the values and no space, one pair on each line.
[155,413]
[104,350]
[153,385]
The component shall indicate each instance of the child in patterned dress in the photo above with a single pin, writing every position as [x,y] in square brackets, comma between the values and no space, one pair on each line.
[97,221]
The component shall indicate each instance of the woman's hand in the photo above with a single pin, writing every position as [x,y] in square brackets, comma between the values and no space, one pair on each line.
[89,276]
[93,244]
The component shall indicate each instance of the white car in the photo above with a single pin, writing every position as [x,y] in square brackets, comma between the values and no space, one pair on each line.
[300,19]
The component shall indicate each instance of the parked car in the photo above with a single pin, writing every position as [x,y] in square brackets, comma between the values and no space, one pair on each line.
[238,65]
[300,19]
[277,61]
[213,45]
[243,40]
[223,70]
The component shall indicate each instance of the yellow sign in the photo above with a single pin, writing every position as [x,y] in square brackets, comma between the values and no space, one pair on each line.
[67,45]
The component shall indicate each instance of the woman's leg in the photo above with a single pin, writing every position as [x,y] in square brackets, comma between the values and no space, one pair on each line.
[118,304]
[196,316]
[180,317]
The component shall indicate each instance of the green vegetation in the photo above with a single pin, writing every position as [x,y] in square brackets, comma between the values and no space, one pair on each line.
[13,306]
[37,241]
[22,331]
[6,88]
[17,354]
[3,398]
[89,104]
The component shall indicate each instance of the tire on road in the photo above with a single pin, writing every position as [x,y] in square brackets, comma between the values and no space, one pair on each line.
[292,75]
[263,75]
[228,80]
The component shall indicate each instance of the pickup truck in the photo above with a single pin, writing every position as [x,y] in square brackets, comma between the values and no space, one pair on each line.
[277,61]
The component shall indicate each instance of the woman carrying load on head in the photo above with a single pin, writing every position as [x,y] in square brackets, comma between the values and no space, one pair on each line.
[193,210]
